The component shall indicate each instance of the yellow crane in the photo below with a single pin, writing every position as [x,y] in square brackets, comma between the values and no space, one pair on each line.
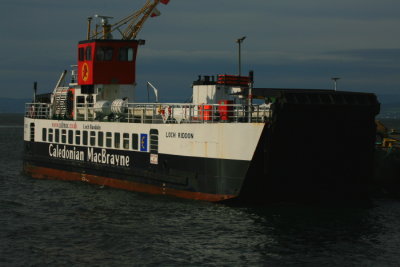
[132,24]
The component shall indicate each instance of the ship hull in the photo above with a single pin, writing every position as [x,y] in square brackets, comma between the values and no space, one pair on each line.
[198,178]
[198,169]
[120,183]
[303,152]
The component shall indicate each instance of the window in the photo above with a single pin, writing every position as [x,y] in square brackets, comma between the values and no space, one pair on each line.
[88,54]
[77,137]
[92,138]
[108,139]
[125,141]
[50,135]
[44,134]
[154,141]
[104,53]
[80,99]
[63,136]
[117,140]
[86,89]
[108,54]
[135,141]
[70,137]
[100,139]
[126,54]
[81,54]
[84,138]
[32,131]
[57,136]
[100,54]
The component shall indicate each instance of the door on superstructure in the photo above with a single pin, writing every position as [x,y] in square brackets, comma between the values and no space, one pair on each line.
[32,132]
[153,146]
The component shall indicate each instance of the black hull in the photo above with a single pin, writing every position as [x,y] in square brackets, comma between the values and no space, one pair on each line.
[217,179]
[314,152]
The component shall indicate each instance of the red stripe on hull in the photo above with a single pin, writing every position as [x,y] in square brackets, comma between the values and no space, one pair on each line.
[48,173]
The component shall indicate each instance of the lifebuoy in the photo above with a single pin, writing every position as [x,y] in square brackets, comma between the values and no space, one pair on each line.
[166,112]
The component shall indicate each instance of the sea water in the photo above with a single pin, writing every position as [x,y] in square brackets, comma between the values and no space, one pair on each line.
[57,223]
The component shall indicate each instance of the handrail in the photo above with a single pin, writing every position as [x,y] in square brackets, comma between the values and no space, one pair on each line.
[38,110]
[161,113]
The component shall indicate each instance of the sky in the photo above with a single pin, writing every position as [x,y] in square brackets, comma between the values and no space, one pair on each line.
[289,44]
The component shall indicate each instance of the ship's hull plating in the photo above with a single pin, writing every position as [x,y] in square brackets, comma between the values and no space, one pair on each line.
[120,183]
[196,167]
[187,177]
[305,151]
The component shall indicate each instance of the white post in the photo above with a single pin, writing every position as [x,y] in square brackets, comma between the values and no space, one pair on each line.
[335,79]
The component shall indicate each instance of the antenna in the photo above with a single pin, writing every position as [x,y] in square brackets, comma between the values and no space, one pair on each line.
[89,27]
[104,19]
[240,41]
[335,79]
[105,25]
[34,91]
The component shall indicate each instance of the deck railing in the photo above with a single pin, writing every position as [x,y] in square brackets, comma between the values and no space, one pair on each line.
[38,110]
[159,113]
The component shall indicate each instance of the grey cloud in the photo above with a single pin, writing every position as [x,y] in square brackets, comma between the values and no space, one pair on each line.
[377,55]
[290,43]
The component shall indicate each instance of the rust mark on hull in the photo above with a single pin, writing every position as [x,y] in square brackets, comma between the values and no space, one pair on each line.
[54,174]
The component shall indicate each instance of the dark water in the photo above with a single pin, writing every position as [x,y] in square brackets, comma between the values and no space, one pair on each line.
[56,223]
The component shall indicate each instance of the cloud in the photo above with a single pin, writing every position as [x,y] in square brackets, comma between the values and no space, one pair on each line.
[289,43]
[378,56]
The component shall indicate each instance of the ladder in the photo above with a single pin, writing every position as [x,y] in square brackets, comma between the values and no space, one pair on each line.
[60,101]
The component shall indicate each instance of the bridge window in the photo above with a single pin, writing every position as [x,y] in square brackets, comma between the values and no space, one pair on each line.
[104,53]
[88,54]
[126,54]
[81,54]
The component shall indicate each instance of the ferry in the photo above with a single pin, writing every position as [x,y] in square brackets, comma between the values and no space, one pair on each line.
[232,141]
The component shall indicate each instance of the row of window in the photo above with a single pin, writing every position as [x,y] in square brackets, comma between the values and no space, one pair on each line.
[92,138]
[106,53]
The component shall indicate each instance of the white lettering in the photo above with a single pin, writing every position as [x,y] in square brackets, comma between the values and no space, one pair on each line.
[103,157]
[51,150]
[65,153]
